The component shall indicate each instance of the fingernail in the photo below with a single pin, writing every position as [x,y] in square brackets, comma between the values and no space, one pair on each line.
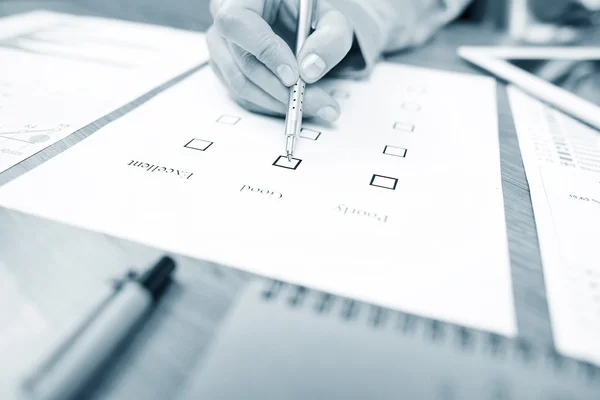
[286,74]
[313,66]
[328,113]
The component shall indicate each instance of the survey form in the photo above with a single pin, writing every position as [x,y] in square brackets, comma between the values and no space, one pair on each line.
[562,161]
[574,203]
[60,72]
[398,203]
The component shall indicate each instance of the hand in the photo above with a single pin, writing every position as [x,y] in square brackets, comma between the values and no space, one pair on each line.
[251,55]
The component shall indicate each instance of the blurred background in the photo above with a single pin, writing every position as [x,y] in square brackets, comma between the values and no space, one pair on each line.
[527,21]
[503,22]
[538,21]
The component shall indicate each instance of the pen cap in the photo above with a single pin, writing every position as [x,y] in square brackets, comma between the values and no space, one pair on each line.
[157,278]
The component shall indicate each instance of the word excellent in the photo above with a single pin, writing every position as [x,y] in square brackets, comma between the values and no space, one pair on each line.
[156,168]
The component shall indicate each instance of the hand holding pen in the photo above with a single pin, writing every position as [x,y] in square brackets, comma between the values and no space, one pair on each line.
[258,65]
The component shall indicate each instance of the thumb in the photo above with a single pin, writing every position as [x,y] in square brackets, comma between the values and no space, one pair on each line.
[326,46]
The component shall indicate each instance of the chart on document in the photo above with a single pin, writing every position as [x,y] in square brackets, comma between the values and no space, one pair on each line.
[562,162]
[60,72]
[27,135]
[557,139]
[398,203]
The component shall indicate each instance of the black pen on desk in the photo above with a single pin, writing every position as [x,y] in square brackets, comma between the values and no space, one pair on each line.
[307,17]
[69,366]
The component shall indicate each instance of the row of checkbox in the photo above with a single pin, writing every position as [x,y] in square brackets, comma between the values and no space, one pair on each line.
[385,182]
[399,126]
[282,162]
[203,145]
[381,181]
[314,135]
[232,120]
[341,94]
[304,133]
[388,182]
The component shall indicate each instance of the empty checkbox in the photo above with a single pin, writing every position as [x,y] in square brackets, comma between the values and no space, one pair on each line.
[404,127]
[228,119]
[395,151]
[339,94]
[198,144]
[282,161]
[385,182]
[408,106]
[309,134]
[416,89]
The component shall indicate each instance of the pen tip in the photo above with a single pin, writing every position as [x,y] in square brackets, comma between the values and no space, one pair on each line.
[289,157]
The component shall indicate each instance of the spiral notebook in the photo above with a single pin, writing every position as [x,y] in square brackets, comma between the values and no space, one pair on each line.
[288,342]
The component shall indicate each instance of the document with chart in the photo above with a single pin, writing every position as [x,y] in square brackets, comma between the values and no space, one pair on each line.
[399,203]
[60,72]
[562,162]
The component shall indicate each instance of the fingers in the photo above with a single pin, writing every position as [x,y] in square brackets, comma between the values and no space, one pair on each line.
[326,47]
[244,25]
[240,87]
[318,103]
[254,87]
[258,109]
[258,73]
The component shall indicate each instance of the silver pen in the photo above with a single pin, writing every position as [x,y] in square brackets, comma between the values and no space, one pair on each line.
[80,354]
[307,16]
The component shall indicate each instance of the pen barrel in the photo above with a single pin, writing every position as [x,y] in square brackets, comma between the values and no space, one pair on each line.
[71,369]
[306,15]
[295,107]
[292,127]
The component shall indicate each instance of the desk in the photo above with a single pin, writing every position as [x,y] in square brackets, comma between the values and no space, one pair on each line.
[58,265]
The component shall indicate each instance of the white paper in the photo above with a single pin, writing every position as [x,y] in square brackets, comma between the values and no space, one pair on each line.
[60,72]
[574,202]
[562,162]
[193,173]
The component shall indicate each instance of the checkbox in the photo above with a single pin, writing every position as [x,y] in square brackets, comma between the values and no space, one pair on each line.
[228,119]
[395,151]
[309,134]
[385,182]
[198,144]
[408,106]
[339,94]
[416,89]
[282,161]
[404,127]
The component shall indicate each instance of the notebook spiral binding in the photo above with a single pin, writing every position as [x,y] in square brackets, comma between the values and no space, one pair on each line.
[463,339]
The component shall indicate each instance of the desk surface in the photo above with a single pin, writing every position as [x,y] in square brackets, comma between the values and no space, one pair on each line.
[57,265]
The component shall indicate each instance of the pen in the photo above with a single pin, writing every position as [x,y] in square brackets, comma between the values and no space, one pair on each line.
[69,366]
[293,118]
